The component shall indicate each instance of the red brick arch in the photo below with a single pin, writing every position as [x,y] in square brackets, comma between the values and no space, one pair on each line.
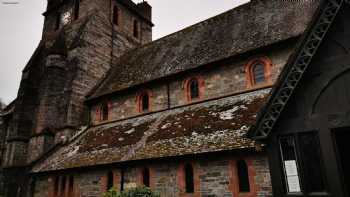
[250,73]
[233,179]
[181,179]
[139,103]
[187,90]
[99,111]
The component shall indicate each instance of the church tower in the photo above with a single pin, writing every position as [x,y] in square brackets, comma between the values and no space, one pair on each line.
[81,40]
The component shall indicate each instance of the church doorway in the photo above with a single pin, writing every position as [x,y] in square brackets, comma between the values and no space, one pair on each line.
[343,153]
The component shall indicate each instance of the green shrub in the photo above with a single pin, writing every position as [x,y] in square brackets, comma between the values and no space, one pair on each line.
[111,193]
[136,192]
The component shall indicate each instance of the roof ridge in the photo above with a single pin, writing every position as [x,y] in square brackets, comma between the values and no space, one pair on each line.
[189,27]
[231,33]
[103,79]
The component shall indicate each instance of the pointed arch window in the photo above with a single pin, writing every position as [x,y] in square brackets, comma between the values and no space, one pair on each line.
[146,177]
[189,178]
[143,101]
[115,15]
[194,88]
[243,176]
[258,72]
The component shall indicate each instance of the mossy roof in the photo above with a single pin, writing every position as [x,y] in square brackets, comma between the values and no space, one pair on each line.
[207,127]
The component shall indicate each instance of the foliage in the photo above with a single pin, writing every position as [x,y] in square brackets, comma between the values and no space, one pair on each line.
[136,192]
[111,193]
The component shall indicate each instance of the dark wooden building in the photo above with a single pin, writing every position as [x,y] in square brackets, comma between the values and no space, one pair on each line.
[306,121]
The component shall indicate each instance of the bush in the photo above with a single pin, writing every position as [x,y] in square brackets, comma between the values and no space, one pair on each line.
[136,192]
[111,193]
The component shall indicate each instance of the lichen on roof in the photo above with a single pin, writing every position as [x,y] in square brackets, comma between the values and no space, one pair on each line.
[200,128]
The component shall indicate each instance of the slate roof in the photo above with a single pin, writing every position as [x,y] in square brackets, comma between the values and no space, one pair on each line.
[248,27]
[200,128]
[295,68]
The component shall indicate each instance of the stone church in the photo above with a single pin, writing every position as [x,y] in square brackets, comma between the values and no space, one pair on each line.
[102,105]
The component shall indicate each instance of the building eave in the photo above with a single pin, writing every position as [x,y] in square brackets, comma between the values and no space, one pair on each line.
[295,68]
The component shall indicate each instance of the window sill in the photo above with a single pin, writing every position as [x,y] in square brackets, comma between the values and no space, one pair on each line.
[247,194]
[260,86]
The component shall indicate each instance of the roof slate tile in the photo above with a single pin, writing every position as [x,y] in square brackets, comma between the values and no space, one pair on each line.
[237,31]
[200,128]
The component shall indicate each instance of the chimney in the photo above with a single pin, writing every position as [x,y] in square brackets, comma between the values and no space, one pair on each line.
[145,9]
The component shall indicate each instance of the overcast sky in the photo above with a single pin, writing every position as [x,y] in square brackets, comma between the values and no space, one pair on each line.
[21,27]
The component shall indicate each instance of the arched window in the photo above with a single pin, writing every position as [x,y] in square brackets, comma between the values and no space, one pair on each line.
[76,9]
[104,112]
[194,89]
[71,186]
[189,178]
[146,177]
[136,29]
[243,176]
[258,71]
[110,181]
[145,102]
[115,15]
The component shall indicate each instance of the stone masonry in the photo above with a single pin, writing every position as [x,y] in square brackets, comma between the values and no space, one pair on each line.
[77,126]
[216,177]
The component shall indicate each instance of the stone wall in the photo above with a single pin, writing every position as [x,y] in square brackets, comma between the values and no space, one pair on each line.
[219,79]
[41,188]
[68,63]
[88,43]
[212,177]
[15,154]
[126,18]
